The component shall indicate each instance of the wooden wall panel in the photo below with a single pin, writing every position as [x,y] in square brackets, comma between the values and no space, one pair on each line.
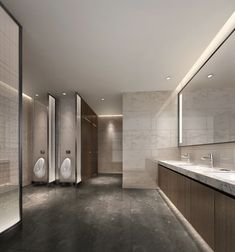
[89,142]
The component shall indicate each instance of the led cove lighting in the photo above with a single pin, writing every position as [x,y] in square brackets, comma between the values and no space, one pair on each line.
[110,115]
[180,118]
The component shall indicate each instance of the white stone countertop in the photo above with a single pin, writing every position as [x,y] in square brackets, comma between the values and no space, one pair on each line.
[214,177]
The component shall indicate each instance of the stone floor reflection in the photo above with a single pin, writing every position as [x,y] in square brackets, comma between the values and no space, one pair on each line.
[97,216]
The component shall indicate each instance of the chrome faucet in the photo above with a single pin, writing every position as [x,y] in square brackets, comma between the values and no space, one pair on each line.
[210,158]
[186,156]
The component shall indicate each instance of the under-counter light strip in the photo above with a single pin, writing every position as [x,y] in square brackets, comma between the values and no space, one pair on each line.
[110,115]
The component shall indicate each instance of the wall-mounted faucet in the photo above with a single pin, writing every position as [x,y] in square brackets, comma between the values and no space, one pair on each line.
[210,158]
[186,156]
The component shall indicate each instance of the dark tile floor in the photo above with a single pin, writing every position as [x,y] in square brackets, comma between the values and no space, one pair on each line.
[98,216]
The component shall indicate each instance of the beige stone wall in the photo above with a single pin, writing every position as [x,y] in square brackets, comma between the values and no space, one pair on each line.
[147,136]
[27,141]
[110,145]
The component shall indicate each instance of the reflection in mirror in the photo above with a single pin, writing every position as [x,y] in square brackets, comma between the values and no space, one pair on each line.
[207,103]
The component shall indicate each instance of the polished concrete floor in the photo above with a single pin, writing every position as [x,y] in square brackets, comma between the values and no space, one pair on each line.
[98,216]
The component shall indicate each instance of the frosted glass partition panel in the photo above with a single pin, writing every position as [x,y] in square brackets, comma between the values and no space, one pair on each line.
[10,95]
[67,137]
[78,144]
[40,137]
[51,147]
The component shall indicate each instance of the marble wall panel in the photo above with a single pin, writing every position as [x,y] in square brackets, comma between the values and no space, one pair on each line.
[144,133]
[110,144]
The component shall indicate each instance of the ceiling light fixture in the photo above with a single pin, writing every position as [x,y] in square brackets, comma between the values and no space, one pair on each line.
[168,78]
[110,115]
[102,99]
[36,95]
[64,93]
[210,76]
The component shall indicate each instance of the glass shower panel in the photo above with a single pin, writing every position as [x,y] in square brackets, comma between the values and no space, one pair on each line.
[9,122]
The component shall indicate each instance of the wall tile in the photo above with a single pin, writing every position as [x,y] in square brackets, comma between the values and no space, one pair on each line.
[110,144]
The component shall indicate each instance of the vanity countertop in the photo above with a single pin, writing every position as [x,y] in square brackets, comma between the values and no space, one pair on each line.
[214,177]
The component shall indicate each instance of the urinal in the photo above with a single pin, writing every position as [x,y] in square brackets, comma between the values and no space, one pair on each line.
[39,168]
[66,169]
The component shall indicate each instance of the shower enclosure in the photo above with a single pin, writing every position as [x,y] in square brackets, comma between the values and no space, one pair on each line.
[10,120]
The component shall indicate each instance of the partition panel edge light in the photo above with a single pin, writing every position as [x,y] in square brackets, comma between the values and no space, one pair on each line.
[78,139]
[51,138]
[10,120]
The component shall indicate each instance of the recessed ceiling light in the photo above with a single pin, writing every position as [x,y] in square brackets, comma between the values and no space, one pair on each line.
[36,95]
[63,93]
[102,99]
[210,75]
[168,78]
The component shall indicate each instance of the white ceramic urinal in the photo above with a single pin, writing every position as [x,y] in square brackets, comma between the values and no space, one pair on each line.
[39,168]
[66,169]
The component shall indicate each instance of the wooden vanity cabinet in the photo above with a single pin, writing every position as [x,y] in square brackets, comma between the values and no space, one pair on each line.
[202,211]
[177,189]
[183,191]
[224,223]
[210,212]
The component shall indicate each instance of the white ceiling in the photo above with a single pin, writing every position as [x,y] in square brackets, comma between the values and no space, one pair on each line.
[221,66]
[102,48]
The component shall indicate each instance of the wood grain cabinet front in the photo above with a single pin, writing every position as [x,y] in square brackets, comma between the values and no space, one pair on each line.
[183,191]
[210,212]
[224,223]
[202,211]
[177,189]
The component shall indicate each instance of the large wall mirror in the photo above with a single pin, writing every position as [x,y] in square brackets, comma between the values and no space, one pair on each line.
[207,102]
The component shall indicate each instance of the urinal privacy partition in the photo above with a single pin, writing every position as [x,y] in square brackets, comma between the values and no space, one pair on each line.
[10,120]
[67,137]
[44,137]
[51,138]
[78,138]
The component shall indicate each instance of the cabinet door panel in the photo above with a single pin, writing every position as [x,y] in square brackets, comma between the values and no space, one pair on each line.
[183,196]
[202,211]
[224,223]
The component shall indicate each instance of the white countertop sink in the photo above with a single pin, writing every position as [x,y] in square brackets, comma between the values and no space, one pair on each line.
[217,177]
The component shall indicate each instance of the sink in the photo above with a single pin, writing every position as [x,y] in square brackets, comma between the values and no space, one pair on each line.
[182,163]
[225,176]
[198,167]
[223,169]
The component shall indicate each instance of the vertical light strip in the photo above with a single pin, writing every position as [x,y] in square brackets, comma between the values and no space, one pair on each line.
[180,117]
